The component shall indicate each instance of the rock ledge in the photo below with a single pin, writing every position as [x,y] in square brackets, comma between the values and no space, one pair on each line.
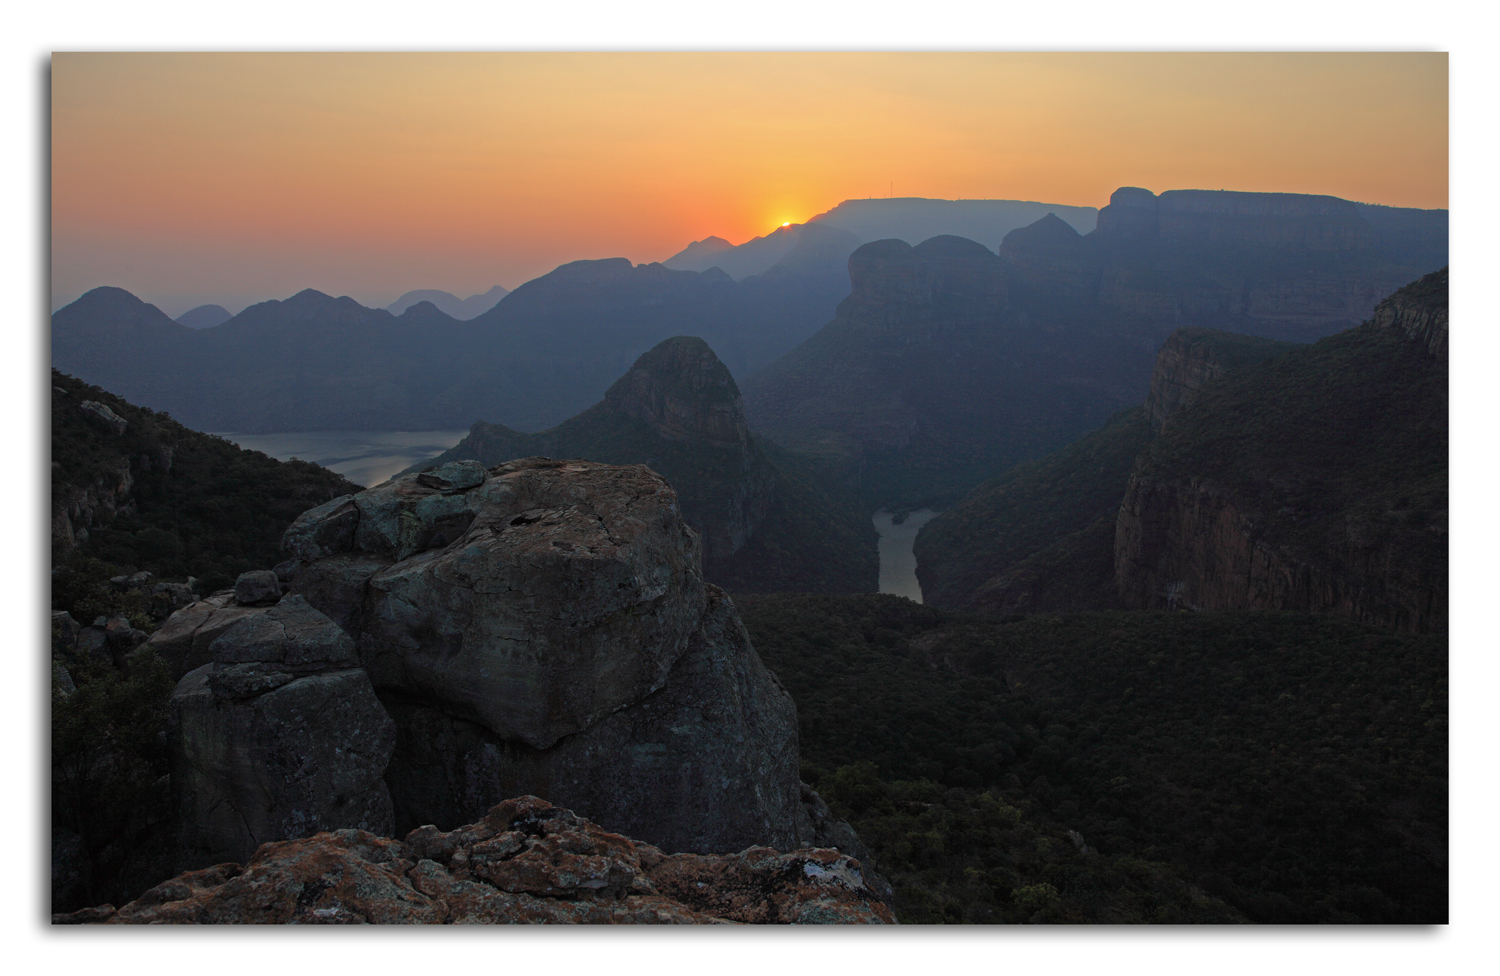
[525,862]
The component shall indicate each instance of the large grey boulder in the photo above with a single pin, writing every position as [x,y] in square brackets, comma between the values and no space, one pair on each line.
[546,629]
[534,603]
[279,736]
[262,755]
[709,763]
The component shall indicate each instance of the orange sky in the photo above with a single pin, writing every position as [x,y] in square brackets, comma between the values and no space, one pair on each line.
[231,178]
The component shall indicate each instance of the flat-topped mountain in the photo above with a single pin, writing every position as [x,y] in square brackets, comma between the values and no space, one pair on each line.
[917,219]
[918,390]
[1281,265]
[769,519]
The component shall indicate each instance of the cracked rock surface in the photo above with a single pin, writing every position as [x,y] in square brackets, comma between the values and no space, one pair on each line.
[526,861]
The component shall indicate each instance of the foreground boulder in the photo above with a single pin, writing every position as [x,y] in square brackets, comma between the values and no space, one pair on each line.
[279,736]
[543,627]
[526,861]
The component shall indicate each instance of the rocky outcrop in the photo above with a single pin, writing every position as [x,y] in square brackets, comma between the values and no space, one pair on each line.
[102,416]
[1194,546]
[684,394]
[1049,260]
[1420,313]
[547,629]
[526,862]
[279,736]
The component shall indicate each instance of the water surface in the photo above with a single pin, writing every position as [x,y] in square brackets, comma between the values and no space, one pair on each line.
[365,457]
[898,565]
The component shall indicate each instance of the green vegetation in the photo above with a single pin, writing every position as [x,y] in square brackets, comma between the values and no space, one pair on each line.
[1292,765]
[199,505]
[110,765]
[188,503]
[1029,508]
[1348,436]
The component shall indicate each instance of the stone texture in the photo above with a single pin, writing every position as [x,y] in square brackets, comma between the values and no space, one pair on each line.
[260,755]
[561,642]
[257,586]
[570,593]
[184,640]
[525,862]
[324,530]
[708,763]
[291,635]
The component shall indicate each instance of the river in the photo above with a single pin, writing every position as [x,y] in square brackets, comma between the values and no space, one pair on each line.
[365,457]
[898,565]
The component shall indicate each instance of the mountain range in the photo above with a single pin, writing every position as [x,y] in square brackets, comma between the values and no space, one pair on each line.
[949,364]
[449,304]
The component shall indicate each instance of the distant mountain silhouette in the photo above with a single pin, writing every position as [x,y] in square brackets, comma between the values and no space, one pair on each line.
[450,304]
[769,520]
[914,219]
[550,349]
[204,317]
[691,257]
[805,246]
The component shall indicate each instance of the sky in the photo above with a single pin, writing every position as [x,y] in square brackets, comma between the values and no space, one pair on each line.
[231,178]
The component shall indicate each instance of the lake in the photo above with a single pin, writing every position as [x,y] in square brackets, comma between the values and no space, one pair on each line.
[898,565]
[365,457]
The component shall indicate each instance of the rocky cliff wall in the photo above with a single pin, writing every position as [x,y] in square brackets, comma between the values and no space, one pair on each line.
[1420,314]
[1192,545]
[1315,480]
[896,289]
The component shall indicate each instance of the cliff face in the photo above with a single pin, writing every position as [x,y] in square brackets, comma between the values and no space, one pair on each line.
[683,393]
[136,488]
[1196,546]
[1316,480]
[1284,220]
[1259,474]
